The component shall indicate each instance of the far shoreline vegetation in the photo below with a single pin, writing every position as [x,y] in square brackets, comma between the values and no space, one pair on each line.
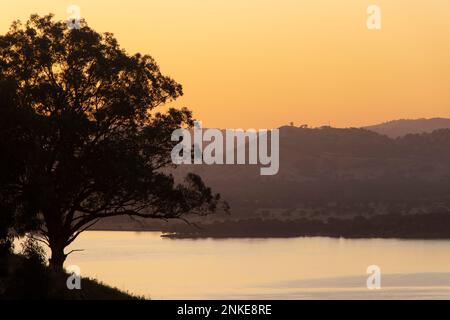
[430,226]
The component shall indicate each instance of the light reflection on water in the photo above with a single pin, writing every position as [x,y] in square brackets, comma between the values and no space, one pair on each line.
[296,268]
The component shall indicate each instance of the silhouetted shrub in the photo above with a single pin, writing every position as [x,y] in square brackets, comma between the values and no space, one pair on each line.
[32,251]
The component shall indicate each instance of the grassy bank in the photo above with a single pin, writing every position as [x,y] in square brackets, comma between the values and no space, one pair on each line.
[22,278]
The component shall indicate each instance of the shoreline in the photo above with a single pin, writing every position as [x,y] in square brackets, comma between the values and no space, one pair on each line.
[182,236]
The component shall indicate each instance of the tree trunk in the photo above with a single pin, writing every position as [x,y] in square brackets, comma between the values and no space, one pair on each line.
[58,257]
[57,237]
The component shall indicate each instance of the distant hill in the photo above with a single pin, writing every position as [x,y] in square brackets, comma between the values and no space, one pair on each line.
[399,128]
[328,173]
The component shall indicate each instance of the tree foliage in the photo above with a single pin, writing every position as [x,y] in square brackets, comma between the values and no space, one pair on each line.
[92,143]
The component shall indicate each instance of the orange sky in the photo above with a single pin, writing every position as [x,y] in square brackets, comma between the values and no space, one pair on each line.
[264,63]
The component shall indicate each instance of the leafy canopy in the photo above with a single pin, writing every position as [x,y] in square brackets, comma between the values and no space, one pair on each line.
[90,144]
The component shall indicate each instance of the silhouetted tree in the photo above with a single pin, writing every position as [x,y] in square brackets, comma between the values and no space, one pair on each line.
[14,149]
[94,148]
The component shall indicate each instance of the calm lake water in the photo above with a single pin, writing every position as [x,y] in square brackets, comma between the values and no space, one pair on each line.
[298,268]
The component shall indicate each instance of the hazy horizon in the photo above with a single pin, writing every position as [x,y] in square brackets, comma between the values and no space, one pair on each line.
[314,61]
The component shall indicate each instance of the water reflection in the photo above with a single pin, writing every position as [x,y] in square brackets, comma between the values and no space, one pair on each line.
[145,264]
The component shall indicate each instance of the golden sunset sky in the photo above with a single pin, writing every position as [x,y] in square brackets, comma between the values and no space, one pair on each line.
[264,63]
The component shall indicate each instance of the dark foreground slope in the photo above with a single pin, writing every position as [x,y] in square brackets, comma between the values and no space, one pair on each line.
[22,278]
